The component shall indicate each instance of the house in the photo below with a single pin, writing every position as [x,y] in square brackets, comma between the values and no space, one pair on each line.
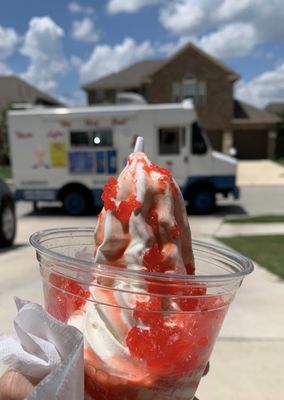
[15,90]
[275,108]
[192,73]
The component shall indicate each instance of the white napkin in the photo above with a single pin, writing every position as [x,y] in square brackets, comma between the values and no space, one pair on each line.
[46,349]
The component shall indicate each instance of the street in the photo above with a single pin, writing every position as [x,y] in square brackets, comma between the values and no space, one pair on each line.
[247,340]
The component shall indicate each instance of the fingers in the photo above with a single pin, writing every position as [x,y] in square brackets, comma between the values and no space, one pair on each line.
[206,369]
[14,386]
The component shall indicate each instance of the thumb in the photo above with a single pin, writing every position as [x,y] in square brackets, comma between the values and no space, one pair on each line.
[14,386]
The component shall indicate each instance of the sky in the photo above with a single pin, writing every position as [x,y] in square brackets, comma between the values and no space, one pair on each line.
[58,45]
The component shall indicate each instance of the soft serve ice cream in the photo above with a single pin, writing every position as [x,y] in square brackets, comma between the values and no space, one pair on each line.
[146,338]
[144,224]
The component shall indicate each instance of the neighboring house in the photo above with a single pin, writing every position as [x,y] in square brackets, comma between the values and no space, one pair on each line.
[15,90]
[192,73]
[275,108]
[278,109]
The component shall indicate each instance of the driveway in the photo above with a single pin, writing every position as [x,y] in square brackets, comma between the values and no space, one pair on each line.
[260,173]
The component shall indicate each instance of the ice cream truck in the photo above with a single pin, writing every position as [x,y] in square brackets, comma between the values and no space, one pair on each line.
[68,154]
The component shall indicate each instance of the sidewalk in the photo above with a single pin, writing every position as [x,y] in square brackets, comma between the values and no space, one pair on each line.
[260,173]
[247,361]
[244,229]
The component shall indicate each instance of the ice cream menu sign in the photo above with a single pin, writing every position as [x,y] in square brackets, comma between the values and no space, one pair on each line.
[89,162]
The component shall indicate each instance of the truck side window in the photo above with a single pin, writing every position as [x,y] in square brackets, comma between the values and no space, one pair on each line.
[102,138]
[169,140]
[198,144]
[79,138]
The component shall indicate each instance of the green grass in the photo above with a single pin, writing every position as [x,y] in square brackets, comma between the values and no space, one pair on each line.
[280,161]
[268,251]
[5,172]
[257,219]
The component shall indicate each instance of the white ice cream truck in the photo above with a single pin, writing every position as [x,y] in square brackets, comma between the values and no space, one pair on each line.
[68,154]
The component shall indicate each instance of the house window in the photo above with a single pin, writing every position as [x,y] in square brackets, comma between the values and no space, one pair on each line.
[169,140]
[102,138]
[189,88]
[201,93]
[176,92]
[100,95]
[79,138]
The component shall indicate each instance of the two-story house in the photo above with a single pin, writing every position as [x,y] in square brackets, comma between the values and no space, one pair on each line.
[192,73]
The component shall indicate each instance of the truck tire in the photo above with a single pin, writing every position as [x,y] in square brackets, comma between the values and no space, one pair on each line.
[202,200]
[76,202]
[7,223]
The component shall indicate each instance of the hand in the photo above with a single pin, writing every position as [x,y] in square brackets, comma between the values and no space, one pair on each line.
[204,373]
[15,386]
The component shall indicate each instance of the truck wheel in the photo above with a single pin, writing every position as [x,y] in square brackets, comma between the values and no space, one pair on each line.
[75,203]
[7,223]
[202,200]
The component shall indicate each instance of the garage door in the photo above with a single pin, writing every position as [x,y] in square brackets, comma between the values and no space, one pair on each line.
[215,138]
[251,145]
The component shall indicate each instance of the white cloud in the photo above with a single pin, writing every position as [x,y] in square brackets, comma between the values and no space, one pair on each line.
[75,8]
[266,87]
[226,28]
[8,41]
[186,17]
[84,30]
[129,6]
[227,42]
[4,69]
[43,46]
[107,59]
[73,99]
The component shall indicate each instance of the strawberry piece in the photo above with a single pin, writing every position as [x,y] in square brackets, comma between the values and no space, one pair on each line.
[174,232]
[125,208]
[109,194]
[165,349]
[64,297]
[153,260]
[148,311]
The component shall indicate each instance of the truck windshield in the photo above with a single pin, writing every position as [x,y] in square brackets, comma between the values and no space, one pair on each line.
[198,143]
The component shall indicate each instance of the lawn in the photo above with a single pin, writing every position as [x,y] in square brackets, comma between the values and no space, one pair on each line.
[257,219]
[268,251]
[5,172]
[280,161]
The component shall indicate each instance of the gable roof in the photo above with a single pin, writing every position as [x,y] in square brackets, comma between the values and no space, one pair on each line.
[213,60]
[135,74]
[130,77]
[244,112]
[275,108]
[16,90]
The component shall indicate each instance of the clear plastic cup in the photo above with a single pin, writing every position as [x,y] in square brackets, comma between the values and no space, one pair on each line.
[148,336]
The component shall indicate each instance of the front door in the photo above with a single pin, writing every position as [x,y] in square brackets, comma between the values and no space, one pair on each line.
[172,151]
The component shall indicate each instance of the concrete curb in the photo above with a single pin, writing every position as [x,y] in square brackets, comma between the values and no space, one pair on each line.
[229,230]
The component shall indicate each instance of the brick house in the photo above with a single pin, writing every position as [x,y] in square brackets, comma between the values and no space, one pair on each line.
[15,90]
[192,73]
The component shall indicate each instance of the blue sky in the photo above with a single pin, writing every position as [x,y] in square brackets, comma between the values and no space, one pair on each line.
[59,45]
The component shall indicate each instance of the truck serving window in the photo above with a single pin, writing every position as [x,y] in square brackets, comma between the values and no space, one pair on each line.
[79,138]
[169,140]
[102,138]
[198,144]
